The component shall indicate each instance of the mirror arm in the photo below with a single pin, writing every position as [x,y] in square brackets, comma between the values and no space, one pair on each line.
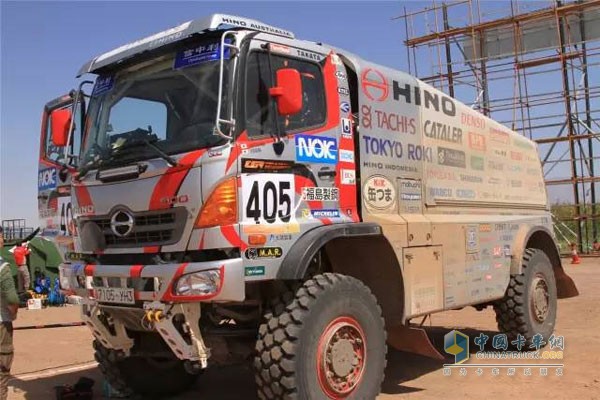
[218,121]
[272,104]
[73,113]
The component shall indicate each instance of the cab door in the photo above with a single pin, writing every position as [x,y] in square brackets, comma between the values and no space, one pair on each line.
[55,168]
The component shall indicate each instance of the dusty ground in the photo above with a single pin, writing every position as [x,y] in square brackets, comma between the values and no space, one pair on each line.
[49,357]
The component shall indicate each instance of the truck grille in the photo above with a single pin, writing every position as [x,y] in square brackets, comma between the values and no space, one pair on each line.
[150,228]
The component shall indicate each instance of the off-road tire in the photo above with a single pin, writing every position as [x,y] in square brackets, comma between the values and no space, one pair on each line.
[139,378]
[516,312]
[293,331]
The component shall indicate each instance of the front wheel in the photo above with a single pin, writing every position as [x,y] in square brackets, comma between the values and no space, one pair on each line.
[326,340]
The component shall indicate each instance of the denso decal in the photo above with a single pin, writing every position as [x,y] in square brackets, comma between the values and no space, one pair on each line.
[383,147]
[451,157]
[316,149]
[379,192]
[472,121]
[374,85]
[430,100]
[47,179]
[438,131]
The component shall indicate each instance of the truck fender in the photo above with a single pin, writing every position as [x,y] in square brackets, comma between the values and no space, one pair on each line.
[297,260]
[540,237]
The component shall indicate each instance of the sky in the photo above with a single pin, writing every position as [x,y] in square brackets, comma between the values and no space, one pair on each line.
[43,45]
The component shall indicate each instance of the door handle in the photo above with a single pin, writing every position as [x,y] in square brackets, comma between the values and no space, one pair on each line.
[327,173]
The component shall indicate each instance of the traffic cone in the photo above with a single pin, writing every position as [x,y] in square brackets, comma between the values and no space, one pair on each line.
[574,256]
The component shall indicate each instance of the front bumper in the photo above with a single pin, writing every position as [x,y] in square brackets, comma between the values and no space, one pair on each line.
[153,282]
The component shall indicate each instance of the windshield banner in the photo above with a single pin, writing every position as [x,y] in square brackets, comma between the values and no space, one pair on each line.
[200,54]
[103,84]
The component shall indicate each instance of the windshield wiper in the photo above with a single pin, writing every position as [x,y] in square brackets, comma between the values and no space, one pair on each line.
[170,160]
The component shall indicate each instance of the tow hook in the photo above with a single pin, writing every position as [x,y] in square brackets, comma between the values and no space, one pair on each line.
[154,315]
[192,367]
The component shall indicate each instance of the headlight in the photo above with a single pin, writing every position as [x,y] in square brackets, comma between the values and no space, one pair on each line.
[204,283]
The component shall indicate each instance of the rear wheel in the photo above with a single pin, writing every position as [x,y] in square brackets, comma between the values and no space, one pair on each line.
[144,376]
[529,306]
[326,340]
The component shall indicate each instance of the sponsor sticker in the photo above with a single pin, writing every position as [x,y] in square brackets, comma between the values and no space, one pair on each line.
[348,177]
[451,157]
[346,127]
[325,213]
[259,165]
[477,163]
[477,141]
[318,149]
[199,54]
[254,271]
[320,194]
[379,193]
[253,253]
[47,179]
[374,85]
[472,238]
[347,155]
[340,75]
[103,84]
[344,91]
[345,107]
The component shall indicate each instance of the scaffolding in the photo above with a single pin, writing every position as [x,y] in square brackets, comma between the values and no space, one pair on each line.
[533,66]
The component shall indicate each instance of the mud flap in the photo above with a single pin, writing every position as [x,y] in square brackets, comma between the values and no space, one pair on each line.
[412,340]
[565,287]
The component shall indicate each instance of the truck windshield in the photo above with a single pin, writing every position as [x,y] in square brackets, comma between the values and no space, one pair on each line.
[167,102]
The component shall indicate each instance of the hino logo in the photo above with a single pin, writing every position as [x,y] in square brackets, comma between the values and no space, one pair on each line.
[121,223]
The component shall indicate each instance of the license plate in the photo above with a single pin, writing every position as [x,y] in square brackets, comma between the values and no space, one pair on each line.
[114,295]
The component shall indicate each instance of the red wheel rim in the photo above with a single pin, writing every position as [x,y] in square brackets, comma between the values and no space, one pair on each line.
[341,357]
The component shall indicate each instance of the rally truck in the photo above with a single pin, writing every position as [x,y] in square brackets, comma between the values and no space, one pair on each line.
[237,193]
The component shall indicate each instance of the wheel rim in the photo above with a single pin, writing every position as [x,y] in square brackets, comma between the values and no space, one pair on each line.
[540,300]
[341,357]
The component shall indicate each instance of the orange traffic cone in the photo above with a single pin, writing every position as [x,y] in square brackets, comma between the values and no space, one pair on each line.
[574,256]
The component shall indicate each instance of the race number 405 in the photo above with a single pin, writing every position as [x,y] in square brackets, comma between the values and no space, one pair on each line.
[268,198]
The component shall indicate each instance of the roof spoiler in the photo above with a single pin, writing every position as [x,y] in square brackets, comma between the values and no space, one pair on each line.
[178,33]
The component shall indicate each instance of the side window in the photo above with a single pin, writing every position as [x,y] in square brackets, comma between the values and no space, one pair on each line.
[130,114]
[260,107]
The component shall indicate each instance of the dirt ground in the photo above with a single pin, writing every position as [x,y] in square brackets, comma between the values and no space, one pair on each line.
[45,358]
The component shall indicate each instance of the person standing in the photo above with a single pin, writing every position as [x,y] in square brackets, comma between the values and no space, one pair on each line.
[9,305]
[20,253]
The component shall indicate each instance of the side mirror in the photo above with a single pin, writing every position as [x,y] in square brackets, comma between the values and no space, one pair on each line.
[288,91]
[61,121]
